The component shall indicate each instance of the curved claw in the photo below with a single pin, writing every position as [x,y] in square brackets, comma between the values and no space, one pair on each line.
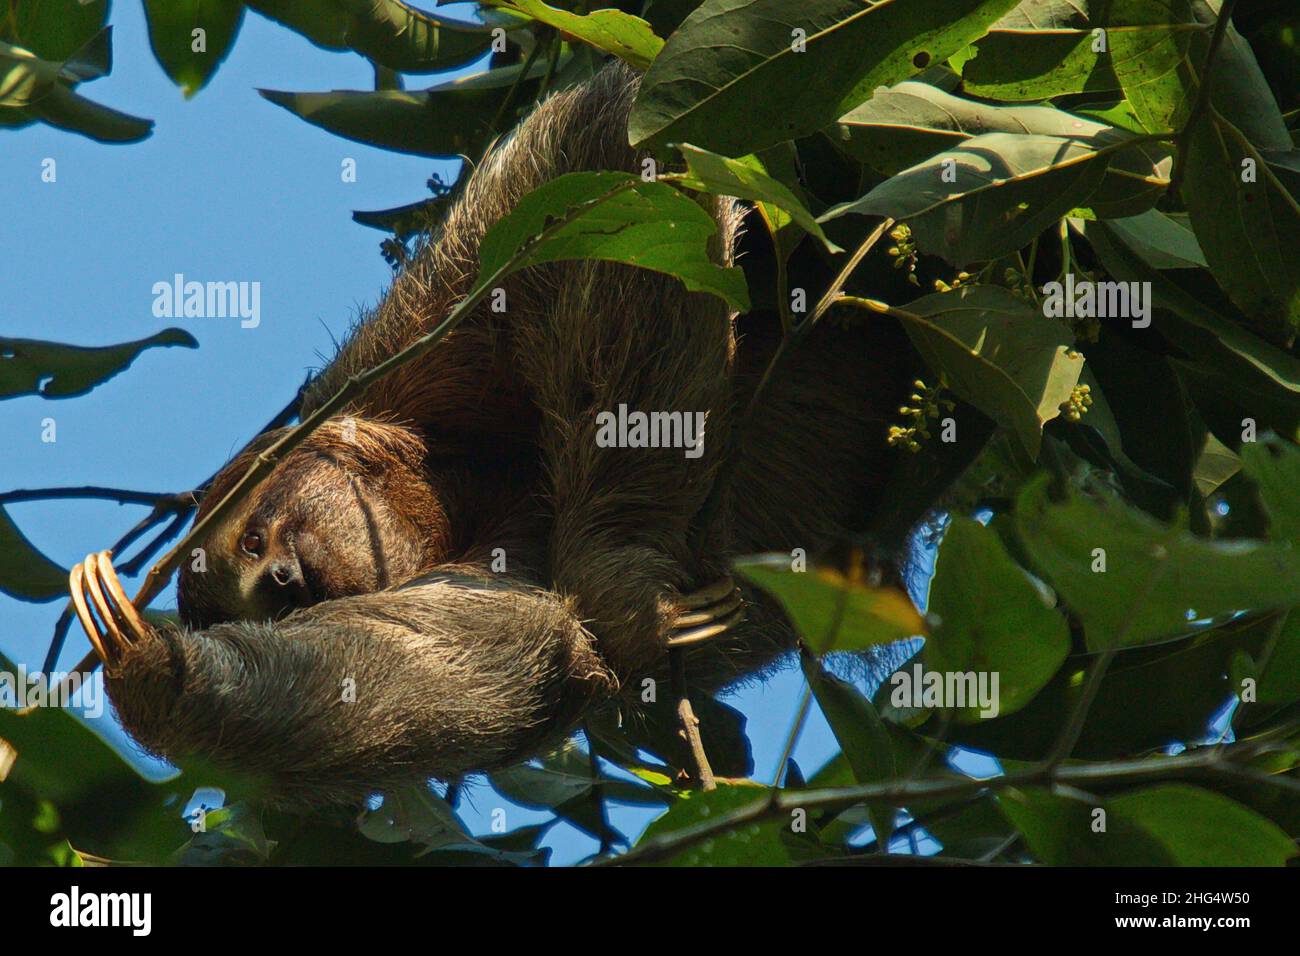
[729,603]
[76,584]
[119,626]
[709,594]
[710,611]
[698,635]
[135,624]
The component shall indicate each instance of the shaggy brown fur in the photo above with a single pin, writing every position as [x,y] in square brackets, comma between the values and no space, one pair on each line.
[385,523]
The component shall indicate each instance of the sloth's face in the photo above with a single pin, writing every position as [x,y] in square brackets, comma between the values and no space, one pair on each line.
[313,531]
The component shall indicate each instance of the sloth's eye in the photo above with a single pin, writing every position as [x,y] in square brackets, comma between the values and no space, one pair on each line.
[252,544]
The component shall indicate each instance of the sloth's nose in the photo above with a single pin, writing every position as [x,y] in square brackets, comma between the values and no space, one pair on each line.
[282,582]
[284,574]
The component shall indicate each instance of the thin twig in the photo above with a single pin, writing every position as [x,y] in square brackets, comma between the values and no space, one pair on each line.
[690,723]
[164,499]
[796,728]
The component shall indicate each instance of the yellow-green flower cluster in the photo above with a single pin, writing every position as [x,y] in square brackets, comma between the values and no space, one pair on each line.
[904,252]
[1076,406]
[963,278]
[926,405]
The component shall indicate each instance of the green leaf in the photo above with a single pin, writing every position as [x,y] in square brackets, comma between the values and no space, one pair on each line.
[51,370]
[1044,48]
[1215,464]
[1156,578]
[417,815]
[1279,684]
[54,29]
[1246,365]
[998,353]
[405,221]
[172,26]
[25,573]
[1249,230]
[734,79]
[612,31]
[745,179]
[446,120]
[1059,830]
[990,195]
[388,32]
[564,777]
[615,217]
[861,734]
[1161,75]
[1274,466]
[906,124]
[1199,828]
[1162,240]
[757,844]
[831,612]
[36,89]
[992,619]
[232,836]
[1183,684]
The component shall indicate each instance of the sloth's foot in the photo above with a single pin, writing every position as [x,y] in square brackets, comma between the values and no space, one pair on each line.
[122,626]
[706,613]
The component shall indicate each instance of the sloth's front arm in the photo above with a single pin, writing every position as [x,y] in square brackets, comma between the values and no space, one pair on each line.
[434,679]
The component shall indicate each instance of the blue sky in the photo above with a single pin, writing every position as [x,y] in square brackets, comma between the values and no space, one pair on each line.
[229,187]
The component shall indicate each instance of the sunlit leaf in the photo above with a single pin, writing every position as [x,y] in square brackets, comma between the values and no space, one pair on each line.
[741,75]
[830,611]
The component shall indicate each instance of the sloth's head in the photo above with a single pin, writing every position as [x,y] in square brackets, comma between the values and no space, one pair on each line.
[349,511]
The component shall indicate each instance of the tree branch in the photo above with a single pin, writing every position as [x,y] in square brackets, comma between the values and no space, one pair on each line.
[1207,761]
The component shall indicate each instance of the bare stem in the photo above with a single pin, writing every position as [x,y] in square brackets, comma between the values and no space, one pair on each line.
[690,723]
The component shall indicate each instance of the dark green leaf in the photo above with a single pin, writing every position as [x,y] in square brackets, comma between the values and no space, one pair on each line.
[1156,578]
[386,31]
[446,120]
[53,29]
[756,844]
[172,28]
[861,734]
[998,353]
[734,80]
[992,619]
[51,370]
[1249,230]
[991,194]
[25,573]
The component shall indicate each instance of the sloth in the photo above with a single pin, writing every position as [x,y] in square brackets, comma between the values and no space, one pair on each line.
[448,574]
